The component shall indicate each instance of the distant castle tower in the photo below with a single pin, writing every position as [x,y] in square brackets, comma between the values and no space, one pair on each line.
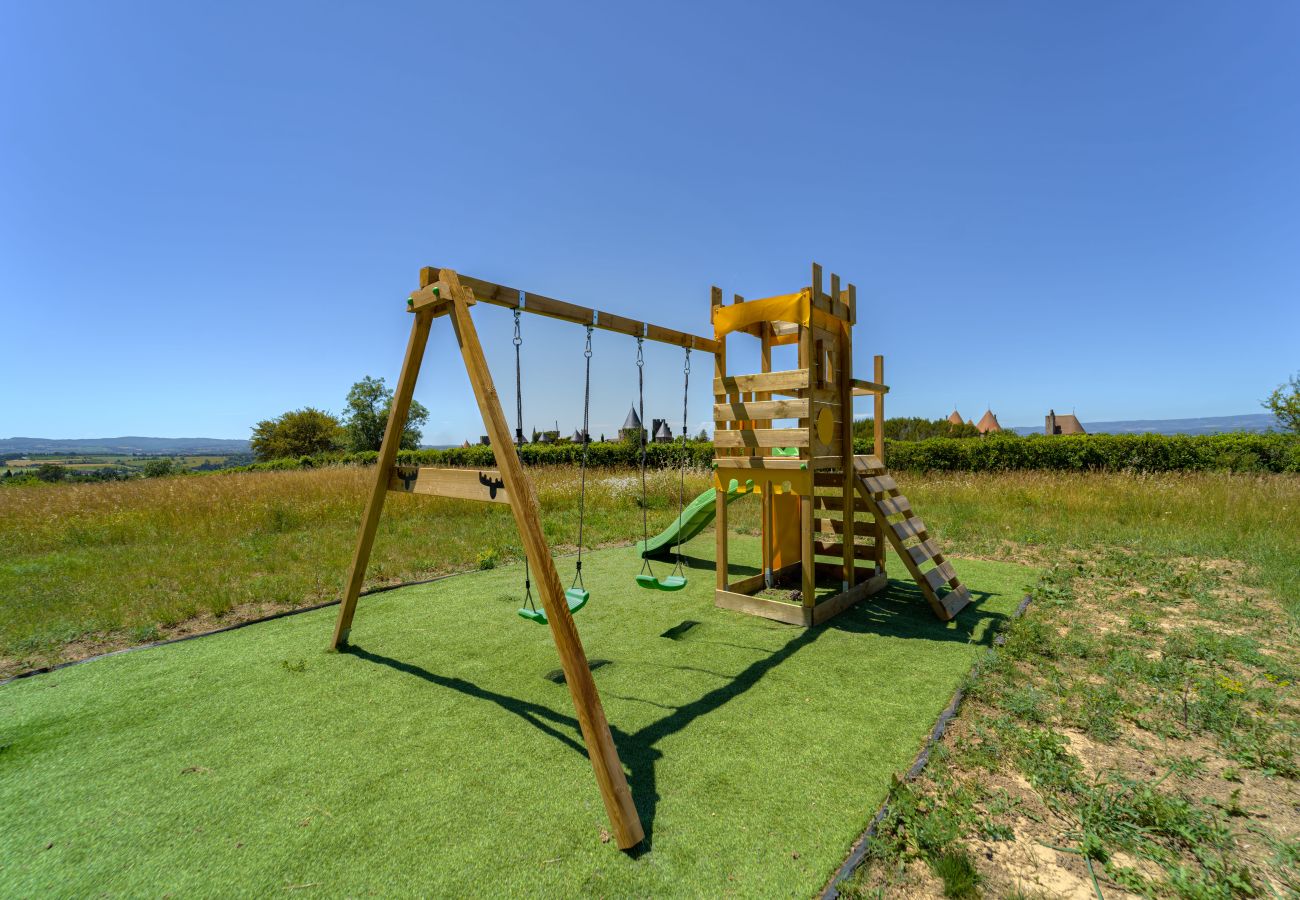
[632,429]
[1068,424]
[989,423]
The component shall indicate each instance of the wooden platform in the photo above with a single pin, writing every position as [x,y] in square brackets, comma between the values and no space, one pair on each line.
[740,596]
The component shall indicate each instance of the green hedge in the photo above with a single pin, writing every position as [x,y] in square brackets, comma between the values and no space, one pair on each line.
[699,454]
[1237,452]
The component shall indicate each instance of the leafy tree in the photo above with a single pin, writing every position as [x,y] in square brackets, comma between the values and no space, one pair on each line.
[50,472]
[914,428]
[157,468]
[369,402]
[299,432]
[1284,403]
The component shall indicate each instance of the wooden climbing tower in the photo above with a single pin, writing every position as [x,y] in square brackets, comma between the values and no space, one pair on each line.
[827,513]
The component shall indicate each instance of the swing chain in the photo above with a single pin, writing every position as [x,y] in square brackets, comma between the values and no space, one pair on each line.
[640,394]
[519,439]
[586,443]
[681,490]
[519,388]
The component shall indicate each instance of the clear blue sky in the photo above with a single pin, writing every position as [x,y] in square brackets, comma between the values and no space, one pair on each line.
[211,213]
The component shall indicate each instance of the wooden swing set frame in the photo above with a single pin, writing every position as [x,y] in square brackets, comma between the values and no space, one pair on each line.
[818,394]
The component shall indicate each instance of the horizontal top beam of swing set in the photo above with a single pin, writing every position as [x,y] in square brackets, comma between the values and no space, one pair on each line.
[500,295]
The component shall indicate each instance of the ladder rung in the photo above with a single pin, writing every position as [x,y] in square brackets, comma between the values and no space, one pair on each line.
[892,506]
[925,550]
[909,528]
[940,575]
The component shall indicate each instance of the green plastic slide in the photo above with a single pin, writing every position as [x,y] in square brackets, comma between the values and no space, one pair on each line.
[694,519]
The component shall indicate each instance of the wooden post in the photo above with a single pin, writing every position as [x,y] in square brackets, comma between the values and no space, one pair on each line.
[383,471]
[523,503]
[878,433]
[845,376]
[808,360]
[768,522]
[720,500]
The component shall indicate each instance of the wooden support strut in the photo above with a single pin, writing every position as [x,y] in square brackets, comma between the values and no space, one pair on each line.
[517,490]
[383,468]
[527,512]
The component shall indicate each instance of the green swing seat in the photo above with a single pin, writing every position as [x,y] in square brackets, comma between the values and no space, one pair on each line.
[576,598]
[667,583]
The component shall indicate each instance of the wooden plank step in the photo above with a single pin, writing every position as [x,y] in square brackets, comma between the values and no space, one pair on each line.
[869,465]
[792,380]
[908,528]
[940,575]
[761,437]
[881,484]
[955,600]
[738,411]
[760,462]
[928,549]
[893,506]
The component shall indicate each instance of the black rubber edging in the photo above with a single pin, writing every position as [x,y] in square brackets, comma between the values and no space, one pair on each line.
[43,670]
[858,851]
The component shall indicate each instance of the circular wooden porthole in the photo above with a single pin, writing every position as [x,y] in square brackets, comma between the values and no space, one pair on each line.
[825,426]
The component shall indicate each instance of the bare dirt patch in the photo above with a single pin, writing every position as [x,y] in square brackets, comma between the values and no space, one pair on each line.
[1137,727]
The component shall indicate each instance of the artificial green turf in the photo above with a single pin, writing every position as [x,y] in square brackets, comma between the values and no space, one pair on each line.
[442,756]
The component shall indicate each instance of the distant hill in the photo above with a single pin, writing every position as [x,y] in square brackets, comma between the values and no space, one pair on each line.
[1255,422]
[17,446]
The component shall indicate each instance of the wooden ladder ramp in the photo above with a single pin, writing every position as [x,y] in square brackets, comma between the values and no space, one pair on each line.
[906,532]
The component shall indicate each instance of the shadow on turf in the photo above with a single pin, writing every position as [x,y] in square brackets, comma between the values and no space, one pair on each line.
[900,611]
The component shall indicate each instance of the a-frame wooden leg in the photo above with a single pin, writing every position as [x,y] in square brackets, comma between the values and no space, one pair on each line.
[523,502]
[383,470]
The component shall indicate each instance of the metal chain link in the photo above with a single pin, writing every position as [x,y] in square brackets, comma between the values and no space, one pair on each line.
[519,388]
[586,443]
[640,393]
[681,490]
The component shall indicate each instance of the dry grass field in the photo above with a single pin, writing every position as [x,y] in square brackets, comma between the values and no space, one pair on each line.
[84,568]
[91,567]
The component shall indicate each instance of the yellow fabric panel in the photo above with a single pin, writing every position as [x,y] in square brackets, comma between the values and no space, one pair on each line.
[785,308]
[786,544]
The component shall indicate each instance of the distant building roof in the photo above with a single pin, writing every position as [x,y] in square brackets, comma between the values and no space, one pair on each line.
[633,421]
[989,423]
[664,432]
[1066,424]
[955,418]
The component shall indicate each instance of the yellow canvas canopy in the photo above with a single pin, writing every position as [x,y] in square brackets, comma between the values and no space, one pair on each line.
[795,308]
